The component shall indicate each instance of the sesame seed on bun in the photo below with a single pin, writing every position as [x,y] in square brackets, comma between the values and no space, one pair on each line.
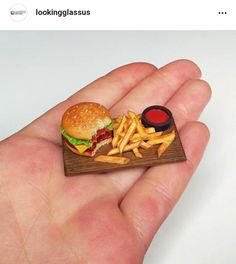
[83,120]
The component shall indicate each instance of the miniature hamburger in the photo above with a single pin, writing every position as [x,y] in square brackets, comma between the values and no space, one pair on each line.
[86,127]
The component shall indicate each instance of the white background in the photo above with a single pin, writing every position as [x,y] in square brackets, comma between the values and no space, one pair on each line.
[39,69]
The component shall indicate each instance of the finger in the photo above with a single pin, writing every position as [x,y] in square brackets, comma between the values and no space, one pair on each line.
[158,87]
[107,90]
[151,199]
[189,101]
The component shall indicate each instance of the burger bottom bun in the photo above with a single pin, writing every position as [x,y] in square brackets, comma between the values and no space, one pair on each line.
[100,144]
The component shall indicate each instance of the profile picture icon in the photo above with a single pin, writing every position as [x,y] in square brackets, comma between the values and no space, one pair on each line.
[18,12]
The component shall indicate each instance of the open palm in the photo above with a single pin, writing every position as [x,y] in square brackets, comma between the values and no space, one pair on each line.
[97,218]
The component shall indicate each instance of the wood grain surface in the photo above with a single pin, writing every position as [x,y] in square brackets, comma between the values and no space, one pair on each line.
[75,164]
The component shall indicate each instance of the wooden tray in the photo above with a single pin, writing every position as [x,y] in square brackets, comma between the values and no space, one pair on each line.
[75,164]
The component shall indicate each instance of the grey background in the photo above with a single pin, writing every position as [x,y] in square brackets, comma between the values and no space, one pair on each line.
[40,69]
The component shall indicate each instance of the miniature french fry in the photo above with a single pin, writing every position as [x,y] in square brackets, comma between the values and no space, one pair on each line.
[132,115]
[118,119]
[137,153]
[145,145]
[114,131]
[129,121]
[142,134]
[150,130]
[115,140]
[153,135]
[140,128]
[122,134]
[113,151]
[121,126]
[126,126]
[128,147]
[118,131]
[135,140]
[132,146]
[118,144]
[127,136]
[135,136]
[163,147]
[115,125]
[112,159]
[163,138]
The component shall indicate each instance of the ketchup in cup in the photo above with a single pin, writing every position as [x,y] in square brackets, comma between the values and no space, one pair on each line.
[157,116]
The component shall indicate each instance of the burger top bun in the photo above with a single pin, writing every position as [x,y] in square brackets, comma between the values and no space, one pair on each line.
[84,119]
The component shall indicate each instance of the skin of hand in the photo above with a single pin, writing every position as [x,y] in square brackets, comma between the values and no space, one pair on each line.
[104,218]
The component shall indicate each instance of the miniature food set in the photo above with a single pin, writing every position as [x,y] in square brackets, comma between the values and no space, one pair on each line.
[94,142]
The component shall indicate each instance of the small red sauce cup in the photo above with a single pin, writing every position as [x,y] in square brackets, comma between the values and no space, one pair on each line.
[157,116]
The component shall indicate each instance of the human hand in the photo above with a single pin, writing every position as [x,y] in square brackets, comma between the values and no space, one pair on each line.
[97,218]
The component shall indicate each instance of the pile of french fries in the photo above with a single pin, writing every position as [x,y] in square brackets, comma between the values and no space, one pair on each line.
[129,135]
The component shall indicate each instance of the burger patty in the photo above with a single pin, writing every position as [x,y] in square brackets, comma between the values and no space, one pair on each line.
[101,135]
